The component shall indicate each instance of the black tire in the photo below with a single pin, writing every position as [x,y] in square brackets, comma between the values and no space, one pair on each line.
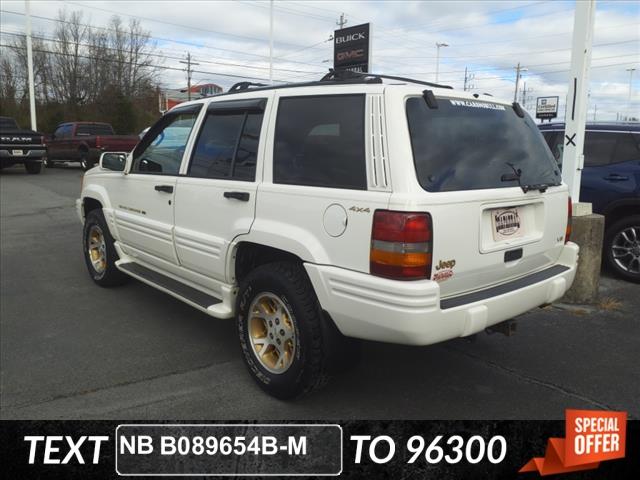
[612,237]
[33,167]
[315,340]
[109,276]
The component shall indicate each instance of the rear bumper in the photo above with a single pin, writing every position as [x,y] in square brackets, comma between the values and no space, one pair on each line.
[31,155]
[411,313]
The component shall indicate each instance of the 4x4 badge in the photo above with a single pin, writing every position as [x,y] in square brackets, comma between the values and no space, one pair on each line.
[360,209]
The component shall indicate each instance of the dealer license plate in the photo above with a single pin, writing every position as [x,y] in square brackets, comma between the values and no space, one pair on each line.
[506,223]
[17,152]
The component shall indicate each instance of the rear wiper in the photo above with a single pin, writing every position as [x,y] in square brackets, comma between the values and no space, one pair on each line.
[515,177]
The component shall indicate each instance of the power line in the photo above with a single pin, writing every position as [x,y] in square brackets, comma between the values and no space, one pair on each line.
[162,39]
[491,12]
[510,68]
[188,27]
[161,67]
[546,35]
[288,10]
[164,56]
[483,24]
[538,52]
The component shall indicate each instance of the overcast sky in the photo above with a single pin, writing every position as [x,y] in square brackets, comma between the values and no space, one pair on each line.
[487,37]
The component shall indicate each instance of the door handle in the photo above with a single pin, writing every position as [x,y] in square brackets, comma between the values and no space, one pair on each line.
[615,177]
[164,188]
[242,196]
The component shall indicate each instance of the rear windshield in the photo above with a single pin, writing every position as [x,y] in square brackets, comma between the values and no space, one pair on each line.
[6,122]
[470,145]
[94,130]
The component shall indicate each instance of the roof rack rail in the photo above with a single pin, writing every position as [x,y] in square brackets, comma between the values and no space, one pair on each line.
[236,87]
[334,77]
[346,75]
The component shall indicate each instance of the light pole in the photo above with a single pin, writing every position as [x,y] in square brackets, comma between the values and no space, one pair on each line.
[630,70]
[438,45]
[271,42]
[32,90]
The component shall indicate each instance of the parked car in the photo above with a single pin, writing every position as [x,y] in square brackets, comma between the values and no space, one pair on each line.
[336,210]
[611,183]
[84,142]
[20,146]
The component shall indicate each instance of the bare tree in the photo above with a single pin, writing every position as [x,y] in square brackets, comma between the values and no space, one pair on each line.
[68,73]
[84,71]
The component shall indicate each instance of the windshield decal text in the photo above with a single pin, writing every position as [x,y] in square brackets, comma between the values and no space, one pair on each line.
[469,103]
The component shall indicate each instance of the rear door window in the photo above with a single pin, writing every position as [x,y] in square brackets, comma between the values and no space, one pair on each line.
[626,148]
[470,145]
[86,130]
[599,148]
[227,146]
[319,142]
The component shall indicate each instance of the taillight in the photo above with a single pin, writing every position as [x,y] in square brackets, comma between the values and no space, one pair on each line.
[401,244]
[98,142]
[567,233]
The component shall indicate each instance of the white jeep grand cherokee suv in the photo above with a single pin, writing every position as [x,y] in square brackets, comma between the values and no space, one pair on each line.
[343,209]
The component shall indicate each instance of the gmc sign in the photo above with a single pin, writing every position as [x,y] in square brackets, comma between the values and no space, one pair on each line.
[351,48]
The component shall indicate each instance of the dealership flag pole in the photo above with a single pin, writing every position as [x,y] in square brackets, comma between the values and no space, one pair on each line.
[576,111]
[32,93]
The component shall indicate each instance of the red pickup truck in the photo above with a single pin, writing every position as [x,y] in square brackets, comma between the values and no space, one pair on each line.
[84,142]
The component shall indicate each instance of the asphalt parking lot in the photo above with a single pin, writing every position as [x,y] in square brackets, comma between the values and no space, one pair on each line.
[72,350]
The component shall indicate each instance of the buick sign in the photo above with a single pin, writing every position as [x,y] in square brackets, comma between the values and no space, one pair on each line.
[351,48]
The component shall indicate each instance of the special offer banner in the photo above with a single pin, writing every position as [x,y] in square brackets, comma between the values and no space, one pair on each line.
[588,444]
[592,436]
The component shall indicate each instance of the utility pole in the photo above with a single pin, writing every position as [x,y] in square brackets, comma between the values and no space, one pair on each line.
[32,92]
[342,22]
[525,94]
[576,112]
[595,112]
[467,78]
[518,70]
[438,45]
[630,70]
[189,64]
[271,42]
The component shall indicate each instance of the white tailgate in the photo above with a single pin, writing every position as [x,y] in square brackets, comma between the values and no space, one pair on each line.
[471,236]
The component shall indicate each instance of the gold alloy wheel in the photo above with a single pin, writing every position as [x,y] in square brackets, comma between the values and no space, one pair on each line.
[97,249]
[272,332]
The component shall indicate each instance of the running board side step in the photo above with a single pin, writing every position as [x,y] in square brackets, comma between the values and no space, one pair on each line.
[201,300]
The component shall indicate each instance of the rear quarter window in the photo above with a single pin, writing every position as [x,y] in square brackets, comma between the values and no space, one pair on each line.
[319,142]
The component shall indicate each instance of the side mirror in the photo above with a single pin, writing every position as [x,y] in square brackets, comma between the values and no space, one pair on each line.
[115,161]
